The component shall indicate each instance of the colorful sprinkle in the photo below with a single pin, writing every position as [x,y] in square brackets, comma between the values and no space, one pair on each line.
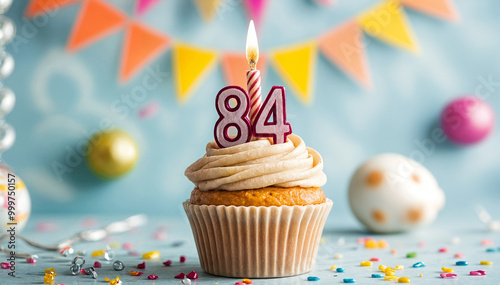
[421,275]
[382,267]
[152,277]
[478,272]
[419,264]
[113,281]
[5,265]
[393,251]
[422,244]
[371,243]
[404,280]
[390,277]
[141,265]
[486,242]
[462,263]
[340,269]
[338,256]
[30,260]
[127,245]
[114,245]
[333,267]
[443,250]
[136,273]
[160,235]
[377,275]
[484,262]
[151,255]
[133,253]
[366,263]
[167,263]
[98,253]
[349,280]
[247,281]
[491,250]
[390,273]
[448,275]
[399,267]
[388,269]
[182,259]
[383,243]
[312,278]
[411,255]
[375,259]
[192,275]
[447,270]
[180,276]
[459,255]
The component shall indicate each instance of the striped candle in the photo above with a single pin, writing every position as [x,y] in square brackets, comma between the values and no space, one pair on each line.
[253,88]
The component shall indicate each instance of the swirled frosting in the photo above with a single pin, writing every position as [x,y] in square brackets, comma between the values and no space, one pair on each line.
[258,164]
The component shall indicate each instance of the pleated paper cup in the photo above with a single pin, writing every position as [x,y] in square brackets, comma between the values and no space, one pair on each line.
[257,242]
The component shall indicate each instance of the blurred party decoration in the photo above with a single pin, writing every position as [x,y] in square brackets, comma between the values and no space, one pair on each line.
[191,65]
[442,9]
[112,153]
[345,47]
[6,64]
[7,30]
[142,44]
[208,8]
[96,20]
[143,5]
[7,101]
[296,65]
[234,66]
[392,193]
[14,198]
[388,23]
[149,110]
[467,120]
[39,7]
[255,9]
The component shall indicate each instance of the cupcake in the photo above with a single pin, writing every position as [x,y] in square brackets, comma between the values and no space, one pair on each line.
[257,209]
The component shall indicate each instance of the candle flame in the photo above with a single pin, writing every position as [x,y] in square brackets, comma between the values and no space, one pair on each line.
[252,48]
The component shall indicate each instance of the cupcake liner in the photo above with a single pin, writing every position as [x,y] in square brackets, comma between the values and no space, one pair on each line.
[257,242]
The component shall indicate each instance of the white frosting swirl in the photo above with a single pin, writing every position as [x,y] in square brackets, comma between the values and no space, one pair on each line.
[258,164]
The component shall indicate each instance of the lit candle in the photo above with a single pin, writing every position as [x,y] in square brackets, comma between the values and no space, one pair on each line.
[253,75]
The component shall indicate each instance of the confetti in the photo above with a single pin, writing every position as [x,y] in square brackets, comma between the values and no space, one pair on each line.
[443,250]
[46,226]
[333,267]
[340,269]
[149,110]
[338,256]
[459,255]
[366,263]
[393,251]
[5,265]
[133,253]
[390,273]
[167,263]
[390,277]
[349,280]
[141,265]
[419,264]
[98,253]
[160,235]
[448,275]
[30,260]
[478,273]
[97,264]
[383,243]
[404,280]
[422,244]
[382,267]
[484,262]
[377,275]
[113,281]
[114,245]
[490,250]
[180,276]
[486,242]
[399,267]
[151,255]
[371,244]
[192,275]
[136,273]
[182,259]
[247,281]
[375,259]
[411,255]
[447,270]
[152,277]
[312,278]
[127,245]
[462,263]
[421,275]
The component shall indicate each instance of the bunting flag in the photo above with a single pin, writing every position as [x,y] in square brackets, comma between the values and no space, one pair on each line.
[143,5]
[96,20]
[235,65]
[296,64]
[142,44]
[438,8]
[191,65]
[39,7]
[388,23]
[208,8]
[255,10]
[344,46]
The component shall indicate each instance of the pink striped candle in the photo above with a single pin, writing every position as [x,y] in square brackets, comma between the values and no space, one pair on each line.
[253,88]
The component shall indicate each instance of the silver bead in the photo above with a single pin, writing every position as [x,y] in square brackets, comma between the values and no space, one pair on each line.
[5,5]
[6,64]
[118,265]
[7,101]
[7,30]
[7,137]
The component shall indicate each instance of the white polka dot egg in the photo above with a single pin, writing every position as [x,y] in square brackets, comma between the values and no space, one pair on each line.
[392,193]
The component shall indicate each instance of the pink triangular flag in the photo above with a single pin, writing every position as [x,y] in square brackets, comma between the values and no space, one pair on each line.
[143,5]
[438,8]
[344,46]
[255,9]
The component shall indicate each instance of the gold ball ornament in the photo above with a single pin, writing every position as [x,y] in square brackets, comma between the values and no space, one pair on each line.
[112,153]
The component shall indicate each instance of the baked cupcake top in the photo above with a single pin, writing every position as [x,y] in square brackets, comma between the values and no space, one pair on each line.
[258,164]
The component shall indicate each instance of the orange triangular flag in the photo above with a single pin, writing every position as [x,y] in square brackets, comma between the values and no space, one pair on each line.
[38,7]
[96,20]
[235,65]
[344,46]
[208,8]
[439,8]
[142,44]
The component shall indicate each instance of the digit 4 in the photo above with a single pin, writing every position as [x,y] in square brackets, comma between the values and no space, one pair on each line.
[271,118]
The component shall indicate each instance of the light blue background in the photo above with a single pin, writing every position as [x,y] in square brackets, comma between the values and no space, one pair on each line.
[62,98]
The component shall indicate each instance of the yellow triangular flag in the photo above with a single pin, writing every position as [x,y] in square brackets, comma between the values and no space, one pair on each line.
[208,8]
[296,64]
[387,22]
[190,67]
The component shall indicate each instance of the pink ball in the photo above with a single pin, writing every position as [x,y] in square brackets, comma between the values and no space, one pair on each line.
[467,120]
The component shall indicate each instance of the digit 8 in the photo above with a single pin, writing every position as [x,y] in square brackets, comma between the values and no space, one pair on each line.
[232,117]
